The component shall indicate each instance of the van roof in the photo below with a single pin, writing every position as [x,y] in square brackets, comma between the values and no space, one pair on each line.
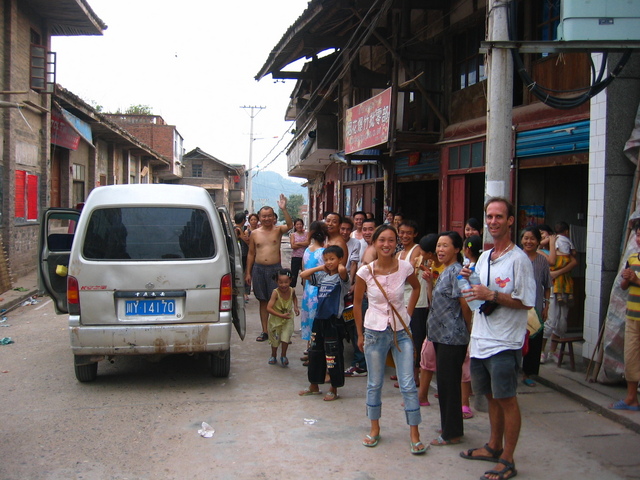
[148,194]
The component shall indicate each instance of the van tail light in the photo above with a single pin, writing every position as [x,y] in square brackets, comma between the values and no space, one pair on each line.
[226,298]
[73,296]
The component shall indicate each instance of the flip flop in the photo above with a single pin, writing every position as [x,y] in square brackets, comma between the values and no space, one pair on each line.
[441,442]
[508,472]
[529,383]
[425,404]
[466,413]
[493,456]
[418,448]
[307,392]
[373,440]
[330,397]
[262,337]
[272,361]
[620,405]
[284,361]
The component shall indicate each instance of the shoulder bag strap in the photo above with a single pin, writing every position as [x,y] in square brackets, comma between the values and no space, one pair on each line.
[395,312]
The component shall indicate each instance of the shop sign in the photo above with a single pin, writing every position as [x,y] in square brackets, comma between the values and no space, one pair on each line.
[367,124]
[62,134]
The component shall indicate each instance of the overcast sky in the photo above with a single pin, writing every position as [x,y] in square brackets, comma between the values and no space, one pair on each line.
[193,62]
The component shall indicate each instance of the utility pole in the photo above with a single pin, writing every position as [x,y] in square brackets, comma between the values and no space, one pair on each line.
[499,105]
[252,115]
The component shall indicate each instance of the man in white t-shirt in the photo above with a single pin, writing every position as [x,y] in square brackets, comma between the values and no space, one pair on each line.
[498,334]
[358,218]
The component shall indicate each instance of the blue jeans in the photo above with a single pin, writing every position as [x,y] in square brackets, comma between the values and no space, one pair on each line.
[376,346]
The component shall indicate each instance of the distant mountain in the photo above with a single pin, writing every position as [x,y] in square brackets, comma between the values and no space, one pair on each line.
[267,186]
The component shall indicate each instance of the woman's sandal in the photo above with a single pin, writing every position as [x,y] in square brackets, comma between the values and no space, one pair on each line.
[441,442]
[418,448]
[371,441]
[330,397]
[306,392]
[466,413]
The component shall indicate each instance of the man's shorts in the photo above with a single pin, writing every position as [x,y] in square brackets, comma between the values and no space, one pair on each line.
[264,280]
[632,351]
[496,375]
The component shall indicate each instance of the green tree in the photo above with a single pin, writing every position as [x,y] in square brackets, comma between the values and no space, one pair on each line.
[136,110]
[294,202]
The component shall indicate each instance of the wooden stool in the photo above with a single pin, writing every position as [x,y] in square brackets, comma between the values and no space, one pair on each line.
[568,341]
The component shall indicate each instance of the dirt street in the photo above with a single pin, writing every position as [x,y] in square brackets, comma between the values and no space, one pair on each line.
[140,420]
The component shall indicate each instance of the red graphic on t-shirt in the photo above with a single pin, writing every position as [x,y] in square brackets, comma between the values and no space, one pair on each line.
[502,283]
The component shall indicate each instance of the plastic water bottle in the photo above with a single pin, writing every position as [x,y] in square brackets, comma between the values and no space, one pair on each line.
[464,284]
[474,278]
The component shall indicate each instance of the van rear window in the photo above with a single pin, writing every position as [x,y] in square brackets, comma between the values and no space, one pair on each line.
[148,233]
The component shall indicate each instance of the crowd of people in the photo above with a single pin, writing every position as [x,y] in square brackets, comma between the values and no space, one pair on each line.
[409,304]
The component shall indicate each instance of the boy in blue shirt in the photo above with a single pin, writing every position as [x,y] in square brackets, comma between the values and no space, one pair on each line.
[326,350]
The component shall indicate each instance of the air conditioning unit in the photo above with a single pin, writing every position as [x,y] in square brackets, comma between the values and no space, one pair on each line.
[599,20]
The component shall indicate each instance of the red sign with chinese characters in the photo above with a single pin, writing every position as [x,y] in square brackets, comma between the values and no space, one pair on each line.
[61,132]
[367,124]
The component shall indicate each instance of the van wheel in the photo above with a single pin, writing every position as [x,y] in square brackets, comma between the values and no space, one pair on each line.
[86,372]
[221,363]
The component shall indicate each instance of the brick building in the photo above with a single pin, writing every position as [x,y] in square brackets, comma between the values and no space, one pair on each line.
[27,80]
[225,183]
[154,131]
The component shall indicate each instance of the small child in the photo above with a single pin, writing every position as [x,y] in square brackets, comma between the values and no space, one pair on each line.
[282,304]
[565,251]
[562,259]
[326,349]
[631,281]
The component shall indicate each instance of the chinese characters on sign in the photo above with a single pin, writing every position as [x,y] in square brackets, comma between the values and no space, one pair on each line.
[62,134]
[367,124]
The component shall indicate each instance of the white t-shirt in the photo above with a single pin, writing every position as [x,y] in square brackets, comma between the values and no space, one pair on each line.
[505,328]
[564,245]
[353,245]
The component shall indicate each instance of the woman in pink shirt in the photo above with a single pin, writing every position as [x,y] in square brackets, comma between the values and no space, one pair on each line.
[382,331]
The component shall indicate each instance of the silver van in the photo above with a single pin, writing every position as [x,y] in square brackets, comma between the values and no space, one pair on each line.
[144,269]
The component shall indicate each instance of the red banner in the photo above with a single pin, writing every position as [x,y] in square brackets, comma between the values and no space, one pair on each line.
[367,124]
[62,134]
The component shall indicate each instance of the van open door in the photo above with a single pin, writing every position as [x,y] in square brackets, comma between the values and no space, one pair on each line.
[235,259]
[57,230]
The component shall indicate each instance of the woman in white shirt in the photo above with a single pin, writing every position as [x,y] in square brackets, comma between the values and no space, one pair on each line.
[382,331]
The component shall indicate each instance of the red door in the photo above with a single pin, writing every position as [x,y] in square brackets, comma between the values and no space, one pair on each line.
[456,203]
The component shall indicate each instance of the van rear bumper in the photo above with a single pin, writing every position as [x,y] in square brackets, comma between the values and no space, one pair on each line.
[150,339]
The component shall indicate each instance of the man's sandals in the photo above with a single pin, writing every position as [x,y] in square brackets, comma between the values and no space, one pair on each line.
[494,455]
[509,471]
[262,337]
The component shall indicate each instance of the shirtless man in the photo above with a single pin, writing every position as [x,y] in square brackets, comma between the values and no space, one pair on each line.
[333,221]
[367,248]
[358,218]
[263,259]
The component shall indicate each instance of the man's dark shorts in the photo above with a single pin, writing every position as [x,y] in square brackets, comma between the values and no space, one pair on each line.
[263,279]
[497,375]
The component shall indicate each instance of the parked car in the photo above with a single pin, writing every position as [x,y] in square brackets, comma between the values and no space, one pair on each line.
[147,269]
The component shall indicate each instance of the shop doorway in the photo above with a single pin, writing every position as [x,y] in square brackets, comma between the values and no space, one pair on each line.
[420,201]
[559,193]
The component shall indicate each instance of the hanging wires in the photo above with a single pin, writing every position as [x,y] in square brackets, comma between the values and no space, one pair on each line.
[544,94]
[335,72]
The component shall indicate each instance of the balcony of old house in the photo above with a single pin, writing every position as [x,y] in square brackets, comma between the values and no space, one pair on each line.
[313,146]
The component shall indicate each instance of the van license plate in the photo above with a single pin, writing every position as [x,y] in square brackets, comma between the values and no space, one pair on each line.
[150,307]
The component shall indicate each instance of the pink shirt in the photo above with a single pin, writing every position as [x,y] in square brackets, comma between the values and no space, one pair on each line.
[379,315]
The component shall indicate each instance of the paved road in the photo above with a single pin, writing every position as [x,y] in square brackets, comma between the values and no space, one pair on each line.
[140,419]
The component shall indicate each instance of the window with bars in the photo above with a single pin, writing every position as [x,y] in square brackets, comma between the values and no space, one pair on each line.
[464,157]
[548,20]
[468,61]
